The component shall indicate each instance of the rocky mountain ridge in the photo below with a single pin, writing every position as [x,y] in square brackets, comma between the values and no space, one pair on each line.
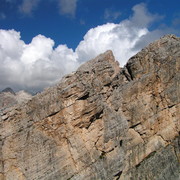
[101,122]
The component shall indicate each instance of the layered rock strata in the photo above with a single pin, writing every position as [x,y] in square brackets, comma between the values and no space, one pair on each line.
[101,122]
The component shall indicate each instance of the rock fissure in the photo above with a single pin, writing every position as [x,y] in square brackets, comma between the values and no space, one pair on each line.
[118,175]
[129,72]
[94,118]
[71,154]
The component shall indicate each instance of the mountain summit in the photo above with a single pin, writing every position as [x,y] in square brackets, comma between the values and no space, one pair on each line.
[101,122]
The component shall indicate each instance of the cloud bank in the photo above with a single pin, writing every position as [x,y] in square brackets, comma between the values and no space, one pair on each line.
[38,64]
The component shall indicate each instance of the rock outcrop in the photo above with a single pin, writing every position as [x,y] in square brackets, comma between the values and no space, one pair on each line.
[101,122]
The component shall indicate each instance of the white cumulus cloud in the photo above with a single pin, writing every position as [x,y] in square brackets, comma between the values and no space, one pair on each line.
[38,64]
[32,66]
[39,48]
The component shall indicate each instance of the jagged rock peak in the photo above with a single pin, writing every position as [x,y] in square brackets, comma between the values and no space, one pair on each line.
[106,57]
[101,122]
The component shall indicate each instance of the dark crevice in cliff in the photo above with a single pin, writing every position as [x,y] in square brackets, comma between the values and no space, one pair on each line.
[126,74]
[70,177]
[95,117]
[108,84]
[170,106]
[121,142]
[162,137]
[84,97]
[118,175]
[96,143]
[133,126]
[103,154]
[52,114]
[128,67]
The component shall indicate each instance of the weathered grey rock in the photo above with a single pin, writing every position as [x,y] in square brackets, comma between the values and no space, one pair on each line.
[101,122]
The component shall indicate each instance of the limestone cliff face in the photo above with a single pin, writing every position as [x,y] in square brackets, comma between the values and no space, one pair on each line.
[101,122]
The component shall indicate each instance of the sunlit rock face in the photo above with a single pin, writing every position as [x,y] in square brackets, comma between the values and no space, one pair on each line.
[101,122]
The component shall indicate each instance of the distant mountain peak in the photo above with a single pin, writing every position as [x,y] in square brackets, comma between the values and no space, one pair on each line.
[9,98]
[8,89]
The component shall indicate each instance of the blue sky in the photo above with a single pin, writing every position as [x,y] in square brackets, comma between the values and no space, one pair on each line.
[39,34]
[47,18]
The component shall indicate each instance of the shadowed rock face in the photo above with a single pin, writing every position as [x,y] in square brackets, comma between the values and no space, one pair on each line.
[101,122]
